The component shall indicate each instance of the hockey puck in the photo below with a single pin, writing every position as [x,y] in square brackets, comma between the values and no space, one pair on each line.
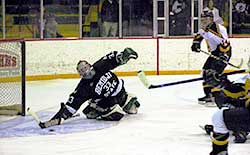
[51,130]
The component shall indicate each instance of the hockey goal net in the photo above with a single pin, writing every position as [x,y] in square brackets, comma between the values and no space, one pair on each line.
[12,77]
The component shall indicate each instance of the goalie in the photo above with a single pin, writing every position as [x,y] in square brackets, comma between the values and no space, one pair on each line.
[104,91]
[217,40]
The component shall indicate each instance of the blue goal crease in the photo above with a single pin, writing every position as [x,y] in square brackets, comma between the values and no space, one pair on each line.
[27,126]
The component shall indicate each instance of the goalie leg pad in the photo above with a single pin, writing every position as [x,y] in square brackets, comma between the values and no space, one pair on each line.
[115,113]
[90,112]
[131,105]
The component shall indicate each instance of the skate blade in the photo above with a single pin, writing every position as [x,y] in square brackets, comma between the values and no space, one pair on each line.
[210,104]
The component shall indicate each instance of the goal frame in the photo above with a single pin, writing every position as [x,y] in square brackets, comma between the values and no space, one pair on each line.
[22,112]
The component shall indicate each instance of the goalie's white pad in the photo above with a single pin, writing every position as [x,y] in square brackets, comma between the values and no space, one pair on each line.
[115,114]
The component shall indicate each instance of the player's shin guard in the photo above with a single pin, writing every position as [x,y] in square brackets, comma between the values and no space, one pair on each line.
[207,91]
[131,105]
[220,144]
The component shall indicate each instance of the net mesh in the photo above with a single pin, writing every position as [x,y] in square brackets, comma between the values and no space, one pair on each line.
[10,78]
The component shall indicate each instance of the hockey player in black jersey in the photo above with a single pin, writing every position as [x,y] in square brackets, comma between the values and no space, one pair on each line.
[102,89]
[228,94]
[235,117]
[219,46]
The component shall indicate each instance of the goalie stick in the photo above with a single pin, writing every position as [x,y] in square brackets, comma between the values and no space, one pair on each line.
[48,123]
[147,84]
[224,61]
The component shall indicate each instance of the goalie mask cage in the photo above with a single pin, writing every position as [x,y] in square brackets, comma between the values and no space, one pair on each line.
[12,77]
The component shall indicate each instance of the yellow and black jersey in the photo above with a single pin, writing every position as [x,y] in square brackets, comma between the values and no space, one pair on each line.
[214,34]
[235,91]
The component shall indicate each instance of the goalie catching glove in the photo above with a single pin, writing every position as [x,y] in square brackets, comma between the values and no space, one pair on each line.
[124,56]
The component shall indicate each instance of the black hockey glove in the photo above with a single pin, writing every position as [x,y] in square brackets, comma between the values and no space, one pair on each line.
[62,113]
[209,129]
[124,56]
[196,46]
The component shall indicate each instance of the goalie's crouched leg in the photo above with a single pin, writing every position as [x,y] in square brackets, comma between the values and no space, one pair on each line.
[114,113]
[90,112]
[131,104]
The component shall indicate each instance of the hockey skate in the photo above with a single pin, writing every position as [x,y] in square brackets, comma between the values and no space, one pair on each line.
[240,136]
[206,101]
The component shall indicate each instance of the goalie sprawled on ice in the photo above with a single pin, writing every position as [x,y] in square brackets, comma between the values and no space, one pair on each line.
[104,91]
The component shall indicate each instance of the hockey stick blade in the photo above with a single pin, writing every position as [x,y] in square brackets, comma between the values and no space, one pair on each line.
[33,114]
[48,123]
[143,79]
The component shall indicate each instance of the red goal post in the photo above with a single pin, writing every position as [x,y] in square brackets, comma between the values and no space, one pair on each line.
[12,77]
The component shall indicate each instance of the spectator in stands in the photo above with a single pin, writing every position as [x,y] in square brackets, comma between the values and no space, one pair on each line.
[211,7]
[36,21]
[109,18]
[51,24]
[180,14]
[239,14]
[248,9]
[126,14]
[146,18]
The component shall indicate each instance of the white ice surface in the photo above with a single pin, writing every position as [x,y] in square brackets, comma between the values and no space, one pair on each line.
[167,123]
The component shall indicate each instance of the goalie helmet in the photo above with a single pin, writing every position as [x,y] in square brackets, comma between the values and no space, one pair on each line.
[206,18]
[85,69]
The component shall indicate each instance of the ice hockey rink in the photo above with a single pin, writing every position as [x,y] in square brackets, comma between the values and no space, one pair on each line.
[167,123]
